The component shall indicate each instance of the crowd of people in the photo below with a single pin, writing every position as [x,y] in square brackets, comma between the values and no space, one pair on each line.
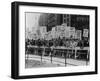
[58,42]
[68,43]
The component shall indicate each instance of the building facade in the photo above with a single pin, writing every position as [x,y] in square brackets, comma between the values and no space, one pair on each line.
[54,20]
[80,22]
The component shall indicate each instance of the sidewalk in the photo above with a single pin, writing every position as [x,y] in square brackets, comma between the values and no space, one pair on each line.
[58,61]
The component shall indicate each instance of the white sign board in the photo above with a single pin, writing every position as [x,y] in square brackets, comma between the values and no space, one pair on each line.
[49,36]
[62,31]
[57,34]
[42,31]
[67,32]
[46,36]
[58,31]
[72,32]
[85,32]
[58,28]
[62,34]
[53,32]
[78,34]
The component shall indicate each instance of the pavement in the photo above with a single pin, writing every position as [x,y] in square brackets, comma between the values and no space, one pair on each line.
[56,61]
[35,64]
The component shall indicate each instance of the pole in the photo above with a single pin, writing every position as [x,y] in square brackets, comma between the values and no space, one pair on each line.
[65,60]
[51,54]
[87,57]
[41,57]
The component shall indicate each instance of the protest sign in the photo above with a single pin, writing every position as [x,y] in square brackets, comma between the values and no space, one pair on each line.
[85,32]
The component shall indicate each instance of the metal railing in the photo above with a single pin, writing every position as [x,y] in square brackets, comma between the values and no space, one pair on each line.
[57,54]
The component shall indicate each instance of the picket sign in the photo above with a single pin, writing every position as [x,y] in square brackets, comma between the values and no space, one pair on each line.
[72,32]
[85,32]
[78,34]
[53,32]
[67,32]
[42,30]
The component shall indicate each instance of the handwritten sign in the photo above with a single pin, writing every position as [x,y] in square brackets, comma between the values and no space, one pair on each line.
[78,34]
[85,32]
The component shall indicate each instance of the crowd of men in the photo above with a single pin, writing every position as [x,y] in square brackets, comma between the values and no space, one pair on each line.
[58,42]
